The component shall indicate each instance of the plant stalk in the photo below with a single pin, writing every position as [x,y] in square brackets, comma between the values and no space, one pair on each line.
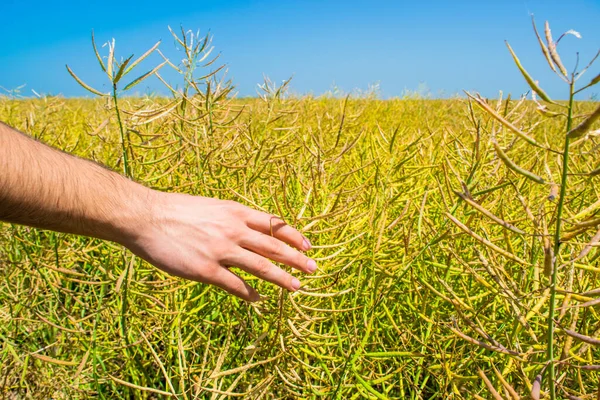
[127,173]
[563,188]
[124,145]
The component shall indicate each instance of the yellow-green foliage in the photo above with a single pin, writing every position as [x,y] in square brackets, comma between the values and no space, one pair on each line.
[405,304]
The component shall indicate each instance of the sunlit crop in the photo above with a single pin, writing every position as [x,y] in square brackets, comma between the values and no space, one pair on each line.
[456,242]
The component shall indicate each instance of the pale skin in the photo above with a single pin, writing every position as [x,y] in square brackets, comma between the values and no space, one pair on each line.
[192,237]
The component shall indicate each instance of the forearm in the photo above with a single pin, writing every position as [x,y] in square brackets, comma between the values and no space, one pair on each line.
[193,237]
[46,188]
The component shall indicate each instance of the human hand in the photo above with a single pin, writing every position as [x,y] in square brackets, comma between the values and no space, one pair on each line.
[193,237]
[199,238]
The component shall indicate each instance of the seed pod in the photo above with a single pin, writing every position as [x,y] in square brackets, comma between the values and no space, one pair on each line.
[590,222]
[585,125]
[144,76]
[588,247]
[548,260]
[481,103]
[543,46]
[97,54]
[111,59]
[488,214]
[536,387]
[552,49]
[587,211]
[548,251]
[507,386]
[85,85]
[589,303]
[589,367]
[486,242]
[542,109]
[483,344]
[528,77]
[553,192]
[121,70]
[141,58]
[489,385]
[564,355]
[583,338]
[511,164]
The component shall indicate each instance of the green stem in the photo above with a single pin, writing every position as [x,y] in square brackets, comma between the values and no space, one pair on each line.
[124,144]
[561,201]
[127,173]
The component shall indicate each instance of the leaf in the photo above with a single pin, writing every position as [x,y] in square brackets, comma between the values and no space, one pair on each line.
[84,85]
[141,78]
[141,58]
[534,86]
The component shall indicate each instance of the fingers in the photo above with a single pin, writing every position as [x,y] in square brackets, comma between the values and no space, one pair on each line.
[269,239]
[276,227]
[262,268]
[233,284]
[278,251]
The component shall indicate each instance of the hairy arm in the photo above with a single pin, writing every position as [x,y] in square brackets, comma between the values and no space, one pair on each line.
[193,237]
[46,188]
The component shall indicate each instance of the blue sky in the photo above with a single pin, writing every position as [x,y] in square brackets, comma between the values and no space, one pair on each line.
[444,46]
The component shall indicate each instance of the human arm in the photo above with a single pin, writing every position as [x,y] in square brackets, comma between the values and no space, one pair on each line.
[192,237]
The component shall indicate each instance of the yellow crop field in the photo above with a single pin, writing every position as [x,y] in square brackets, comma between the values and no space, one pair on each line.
[433,223]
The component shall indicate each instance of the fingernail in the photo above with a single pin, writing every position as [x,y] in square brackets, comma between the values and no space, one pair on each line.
[311,265]
[295,284]
[306,244]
